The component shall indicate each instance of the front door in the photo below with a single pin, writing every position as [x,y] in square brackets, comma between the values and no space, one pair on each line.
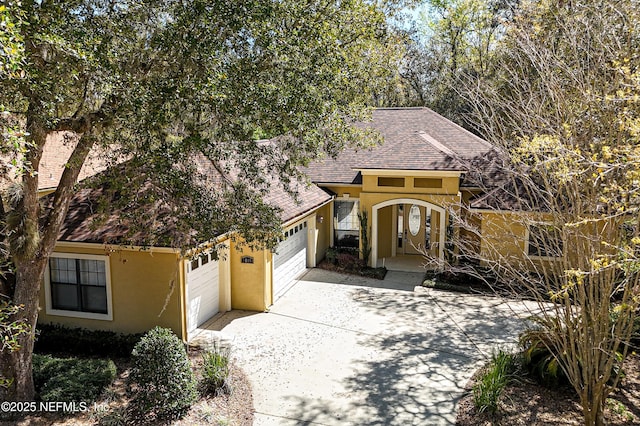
[415,221]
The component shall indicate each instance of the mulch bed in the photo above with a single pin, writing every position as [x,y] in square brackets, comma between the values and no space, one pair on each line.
[525,402]
[377,273]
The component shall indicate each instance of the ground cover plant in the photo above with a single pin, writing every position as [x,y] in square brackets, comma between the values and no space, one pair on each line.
[71,379]
[103,384]
[493,380]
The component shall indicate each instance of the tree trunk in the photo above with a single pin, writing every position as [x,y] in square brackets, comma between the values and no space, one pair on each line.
[17,365]
[593,411]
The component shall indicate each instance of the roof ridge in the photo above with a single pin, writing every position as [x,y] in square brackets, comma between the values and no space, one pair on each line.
[435,143]
[445,119]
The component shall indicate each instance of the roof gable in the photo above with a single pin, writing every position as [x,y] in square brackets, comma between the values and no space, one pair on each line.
[414,139]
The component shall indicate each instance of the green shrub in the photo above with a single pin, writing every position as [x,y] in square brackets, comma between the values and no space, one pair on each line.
[215,371]
[492,382]
[71,379]
[82,342]
[332,255]
[539,360]
[543,364]
[163,384]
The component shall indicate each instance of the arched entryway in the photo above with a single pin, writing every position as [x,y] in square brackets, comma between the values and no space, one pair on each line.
[412,223]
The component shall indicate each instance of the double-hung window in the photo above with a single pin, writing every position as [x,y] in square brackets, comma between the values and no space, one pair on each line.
[346,223]
[78,286]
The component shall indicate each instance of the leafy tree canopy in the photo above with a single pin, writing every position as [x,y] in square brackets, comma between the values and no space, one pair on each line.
[183,91]
[156,81]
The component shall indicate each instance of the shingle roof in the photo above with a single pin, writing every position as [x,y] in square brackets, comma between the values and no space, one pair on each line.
[309,198]
[57,151]
[87,222]
[414,139]
[513,195]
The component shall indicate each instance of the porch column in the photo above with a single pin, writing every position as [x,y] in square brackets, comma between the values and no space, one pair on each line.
[374,237]
[442,221]
[312,240]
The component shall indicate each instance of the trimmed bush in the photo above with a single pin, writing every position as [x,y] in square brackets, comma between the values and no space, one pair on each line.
[163,384]
[55,339]
[490,385]
[71,379]
[215,371]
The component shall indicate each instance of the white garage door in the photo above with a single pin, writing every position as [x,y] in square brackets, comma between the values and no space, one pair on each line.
[290,259]
[203,290]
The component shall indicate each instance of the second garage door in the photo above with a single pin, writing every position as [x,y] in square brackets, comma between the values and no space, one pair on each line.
[290,260]
[203,290]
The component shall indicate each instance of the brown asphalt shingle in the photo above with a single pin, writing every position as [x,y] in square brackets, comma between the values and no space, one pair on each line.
[414,139]
[93,217]
[55,156]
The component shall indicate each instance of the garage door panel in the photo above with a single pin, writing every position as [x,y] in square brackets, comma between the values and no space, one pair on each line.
[290,259]
[203,293]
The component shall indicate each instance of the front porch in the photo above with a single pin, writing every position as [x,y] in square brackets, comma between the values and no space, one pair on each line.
[408,234]
[405,263]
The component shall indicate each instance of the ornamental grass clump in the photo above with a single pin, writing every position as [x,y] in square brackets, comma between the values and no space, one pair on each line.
[490,385]
[162,382]
[215,371]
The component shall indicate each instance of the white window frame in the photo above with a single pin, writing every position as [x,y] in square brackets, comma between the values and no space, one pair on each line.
[528,239]
[333,219]
[76,314]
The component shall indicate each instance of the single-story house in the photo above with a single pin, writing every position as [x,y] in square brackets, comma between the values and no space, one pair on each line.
[410,186]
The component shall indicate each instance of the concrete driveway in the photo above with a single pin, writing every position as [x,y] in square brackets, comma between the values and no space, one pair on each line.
[344,350]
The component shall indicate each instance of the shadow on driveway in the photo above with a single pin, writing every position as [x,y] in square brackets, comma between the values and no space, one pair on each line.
[345,350]
[422,363]
[394,280]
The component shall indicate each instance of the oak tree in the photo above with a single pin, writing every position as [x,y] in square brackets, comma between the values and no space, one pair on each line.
[156,82]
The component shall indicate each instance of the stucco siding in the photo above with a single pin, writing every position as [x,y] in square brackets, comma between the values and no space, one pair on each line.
[145,292]
[435,184]
[323,232]
[250,282]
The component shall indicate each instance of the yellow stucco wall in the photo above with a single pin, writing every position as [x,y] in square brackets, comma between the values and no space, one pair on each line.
[371,193]
[503,237]
[369,199]
[224,279]
[250,282]
[341,190]
[450,184]
[141,283]
[323,232]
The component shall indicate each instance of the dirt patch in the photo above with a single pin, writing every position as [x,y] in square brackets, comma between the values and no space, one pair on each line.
[235,409]
[524,402]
